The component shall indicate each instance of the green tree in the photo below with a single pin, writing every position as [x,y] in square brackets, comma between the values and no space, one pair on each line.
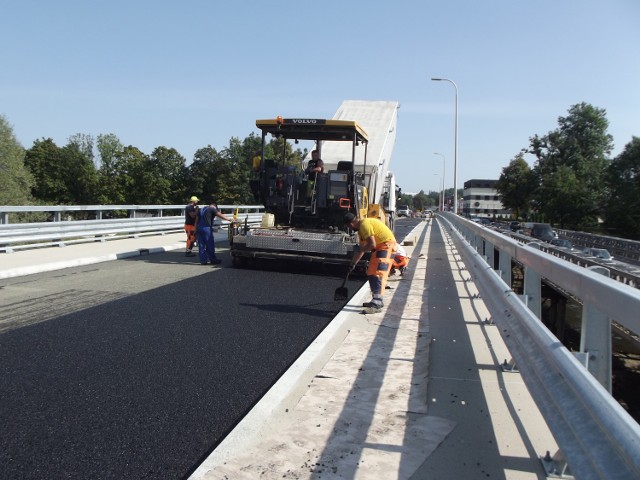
[15,179]
[62,175]
[85,143]
[134,180]
[81,176]
[623,202]
[167,173]
[404,199]
[433,199]
[225,175]
[44,163]
[516,186]
[565,199]
[237,170]
[202,177]
[109,147]
[420,200]
[581,144]
[281,151]
[233,174]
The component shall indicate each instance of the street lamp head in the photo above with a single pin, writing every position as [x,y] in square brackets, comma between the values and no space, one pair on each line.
[436,79]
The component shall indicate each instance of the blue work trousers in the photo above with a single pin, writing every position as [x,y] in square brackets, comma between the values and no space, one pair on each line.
[206,245]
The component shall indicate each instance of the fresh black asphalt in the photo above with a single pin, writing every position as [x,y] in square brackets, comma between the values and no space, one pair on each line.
[145,386]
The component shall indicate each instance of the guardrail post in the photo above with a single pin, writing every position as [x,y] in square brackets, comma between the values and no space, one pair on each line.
[533,288]
[489,253]
[595,339]
[475,241]
[504,261]
[4,218]
[57,216]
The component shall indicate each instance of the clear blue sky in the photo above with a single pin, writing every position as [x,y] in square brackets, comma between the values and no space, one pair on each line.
[195,73]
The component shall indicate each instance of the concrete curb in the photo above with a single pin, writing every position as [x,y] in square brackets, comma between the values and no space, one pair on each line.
[79,262]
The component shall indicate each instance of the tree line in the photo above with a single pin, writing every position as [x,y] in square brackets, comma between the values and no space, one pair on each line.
[103,171]
[573,183]
[428,201]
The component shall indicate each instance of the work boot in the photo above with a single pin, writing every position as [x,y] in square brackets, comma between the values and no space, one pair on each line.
[217,261]
[189,253]
[375,303]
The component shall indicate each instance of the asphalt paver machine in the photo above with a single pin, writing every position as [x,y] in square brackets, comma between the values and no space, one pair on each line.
[303,219]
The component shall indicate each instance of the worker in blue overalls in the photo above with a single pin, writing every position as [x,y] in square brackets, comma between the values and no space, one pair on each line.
[204,233]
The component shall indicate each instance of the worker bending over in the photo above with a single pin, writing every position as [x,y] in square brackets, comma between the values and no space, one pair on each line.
[204,232]
[377,238]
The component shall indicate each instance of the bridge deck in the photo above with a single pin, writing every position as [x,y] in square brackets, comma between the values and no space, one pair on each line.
[415,391]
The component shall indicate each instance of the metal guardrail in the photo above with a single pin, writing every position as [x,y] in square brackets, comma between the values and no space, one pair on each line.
[608,297]
[598,438]
[59,233]
[628,274]
[619,247]
[134,211]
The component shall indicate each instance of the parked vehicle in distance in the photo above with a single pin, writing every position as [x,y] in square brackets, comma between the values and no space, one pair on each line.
[541,231]
[403,211]
[481,220]
[562,243]
[514,226]
[600,253]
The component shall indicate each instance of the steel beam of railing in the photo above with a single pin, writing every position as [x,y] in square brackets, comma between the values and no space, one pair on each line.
[99,210]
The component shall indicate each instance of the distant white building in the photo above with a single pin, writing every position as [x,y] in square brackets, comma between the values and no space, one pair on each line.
[480,198]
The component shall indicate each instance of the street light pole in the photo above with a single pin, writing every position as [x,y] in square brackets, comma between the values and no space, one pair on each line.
[439,194]
[455,151]
[444,164]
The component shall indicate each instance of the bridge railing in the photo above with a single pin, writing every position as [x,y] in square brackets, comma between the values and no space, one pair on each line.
[629,274]
[598,438]
[619,247]
[15,236]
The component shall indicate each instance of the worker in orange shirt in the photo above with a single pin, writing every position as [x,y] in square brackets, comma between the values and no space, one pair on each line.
[190,212]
